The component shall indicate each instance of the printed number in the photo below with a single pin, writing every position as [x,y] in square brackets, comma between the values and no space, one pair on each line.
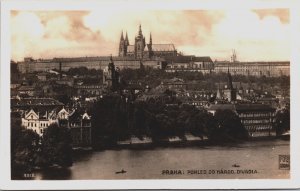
[28,175]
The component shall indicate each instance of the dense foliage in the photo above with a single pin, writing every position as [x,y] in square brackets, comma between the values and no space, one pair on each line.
[117,118]
[56,146]
[29,151]
[228,127]
[282,121]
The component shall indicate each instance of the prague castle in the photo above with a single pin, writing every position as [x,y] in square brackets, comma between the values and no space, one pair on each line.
[160,56]
[142,50]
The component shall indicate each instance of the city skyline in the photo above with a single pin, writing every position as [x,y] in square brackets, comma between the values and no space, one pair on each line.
[264,32]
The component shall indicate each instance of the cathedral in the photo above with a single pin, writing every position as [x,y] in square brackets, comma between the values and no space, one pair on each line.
[141,50]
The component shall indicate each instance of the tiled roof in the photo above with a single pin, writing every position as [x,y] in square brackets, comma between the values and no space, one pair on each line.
[260,63]
[26,88]
[222,107]
[253,107]
[187,59]
[163,47]
[35,102]
[241,107]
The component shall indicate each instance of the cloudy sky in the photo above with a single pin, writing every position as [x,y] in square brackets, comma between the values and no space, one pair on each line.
[256,35]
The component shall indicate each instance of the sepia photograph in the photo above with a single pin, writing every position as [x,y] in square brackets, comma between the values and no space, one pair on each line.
[131,93]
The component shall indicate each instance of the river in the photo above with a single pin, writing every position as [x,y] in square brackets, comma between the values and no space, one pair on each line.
[253,159]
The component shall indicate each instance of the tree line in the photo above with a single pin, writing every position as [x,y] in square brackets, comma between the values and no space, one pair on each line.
[117,118]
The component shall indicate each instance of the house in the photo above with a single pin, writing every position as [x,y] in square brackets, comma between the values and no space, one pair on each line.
[38,122]
[79,123]
[174,84]
[42,76]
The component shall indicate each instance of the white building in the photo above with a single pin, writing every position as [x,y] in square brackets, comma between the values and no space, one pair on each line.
[37,122]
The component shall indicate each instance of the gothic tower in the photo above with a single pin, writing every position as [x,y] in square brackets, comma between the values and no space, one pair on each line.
[229,92]
[123,46]
[150,47]
[111,75]
[126,40]
[139,44]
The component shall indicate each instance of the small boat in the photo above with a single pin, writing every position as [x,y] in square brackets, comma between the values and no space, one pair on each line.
[121,172]
[285,136]
[236,165]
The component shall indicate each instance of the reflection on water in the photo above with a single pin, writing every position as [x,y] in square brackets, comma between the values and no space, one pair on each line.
[261,156]
[54,173]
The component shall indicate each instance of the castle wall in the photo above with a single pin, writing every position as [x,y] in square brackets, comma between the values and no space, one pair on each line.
[28,67]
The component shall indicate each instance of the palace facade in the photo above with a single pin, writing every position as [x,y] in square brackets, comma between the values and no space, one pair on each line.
[258,119]
[268,69]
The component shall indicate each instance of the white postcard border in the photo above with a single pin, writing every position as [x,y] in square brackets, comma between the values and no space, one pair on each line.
[5,179]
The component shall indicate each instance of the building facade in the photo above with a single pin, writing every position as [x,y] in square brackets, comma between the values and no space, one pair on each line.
[64,64]
[268,69]
[38,122]
[258,119]
[189,64]
[79,123]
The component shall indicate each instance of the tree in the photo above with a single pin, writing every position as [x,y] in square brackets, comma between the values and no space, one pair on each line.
[56,146]
[228,127]
[24,148]
[282,121]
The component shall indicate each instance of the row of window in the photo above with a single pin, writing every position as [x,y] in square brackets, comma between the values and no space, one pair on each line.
[30,124]
[255,115]
[259,128]
[255,121]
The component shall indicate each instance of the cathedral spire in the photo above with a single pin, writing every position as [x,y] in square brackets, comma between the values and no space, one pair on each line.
[126,39]
[140,30]
[150,41]
[122,37]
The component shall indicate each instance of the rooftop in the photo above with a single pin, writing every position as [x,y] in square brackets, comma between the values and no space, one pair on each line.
[241,107]
[35,102]
[186,59]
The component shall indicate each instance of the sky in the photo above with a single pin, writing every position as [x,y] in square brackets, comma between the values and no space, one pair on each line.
[255,35]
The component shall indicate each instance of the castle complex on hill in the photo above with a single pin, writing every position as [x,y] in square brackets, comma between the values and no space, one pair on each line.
[159,56]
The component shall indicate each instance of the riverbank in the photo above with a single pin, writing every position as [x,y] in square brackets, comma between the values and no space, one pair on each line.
[152,163]
[176,142]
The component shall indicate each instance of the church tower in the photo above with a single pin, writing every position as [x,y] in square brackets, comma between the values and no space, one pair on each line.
[229,92]
[111,75]
[123,45]
[139,44]
[126,40]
